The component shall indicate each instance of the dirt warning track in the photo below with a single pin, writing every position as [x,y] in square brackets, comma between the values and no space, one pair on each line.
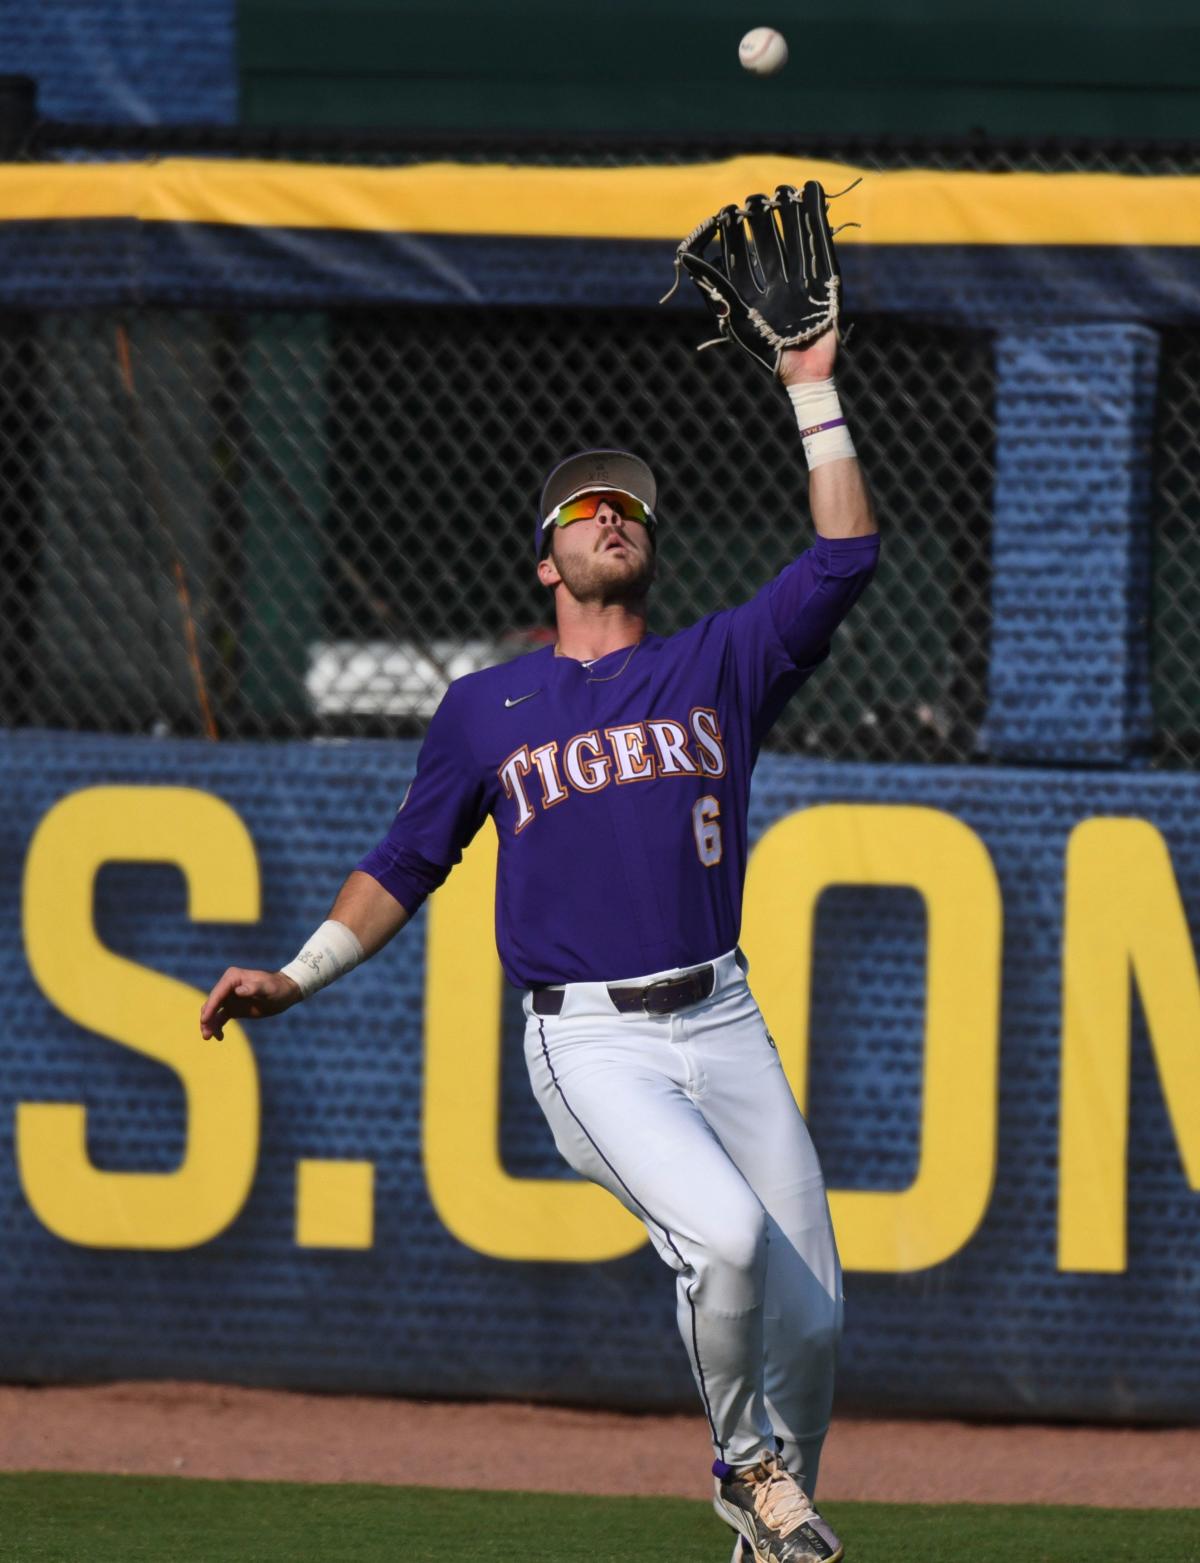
[218,1431]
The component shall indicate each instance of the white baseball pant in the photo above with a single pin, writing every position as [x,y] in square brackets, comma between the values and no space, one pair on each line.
[689,1121]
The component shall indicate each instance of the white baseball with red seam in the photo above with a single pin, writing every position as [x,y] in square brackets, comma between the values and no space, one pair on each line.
[763,51]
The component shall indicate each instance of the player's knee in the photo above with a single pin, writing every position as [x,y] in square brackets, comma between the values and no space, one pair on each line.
[741,1245]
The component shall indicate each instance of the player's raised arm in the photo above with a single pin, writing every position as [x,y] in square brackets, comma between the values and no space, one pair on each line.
[361,921]
[773,286]
[837,492]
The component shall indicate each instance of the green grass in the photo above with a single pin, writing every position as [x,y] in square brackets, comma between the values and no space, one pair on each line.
[127,1519]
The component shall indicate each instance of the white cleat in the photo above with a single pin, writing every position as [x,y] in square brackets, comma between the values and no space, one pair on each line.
[773,1515]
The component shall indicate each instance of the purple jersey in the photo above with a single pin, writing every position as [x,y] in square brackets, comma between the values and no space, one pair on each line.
[620,787]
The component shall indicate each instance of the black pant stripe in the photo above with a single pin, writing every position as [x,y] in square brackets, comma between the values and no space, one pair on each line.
[670,1241]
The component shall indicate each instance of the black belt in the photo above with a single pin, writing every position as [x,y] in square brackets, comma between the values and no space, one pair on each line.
[663,997]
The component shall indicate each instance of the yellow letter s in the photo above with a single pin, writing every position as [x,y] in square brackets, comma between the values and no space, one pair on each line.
[142,1009]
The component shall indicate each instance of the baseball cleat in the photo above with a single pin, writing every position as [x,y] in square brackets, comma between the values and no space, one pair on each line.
[769,1509]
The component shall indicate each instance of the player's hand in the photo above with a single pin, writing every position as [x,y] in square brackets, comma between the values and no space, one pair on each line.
[809,363]
[242,994]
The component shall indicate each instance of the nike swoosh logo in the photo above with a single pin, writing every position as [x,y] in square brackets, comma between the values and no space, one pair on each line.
[519,698]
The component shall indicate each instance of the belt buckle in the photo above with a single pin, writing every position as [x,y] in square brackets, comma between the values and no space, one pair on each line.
[651,987]
[663,983]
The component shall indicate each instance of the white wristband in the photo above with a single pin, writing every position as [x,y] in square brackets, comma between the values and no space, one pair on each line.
[821,422]
[330,953]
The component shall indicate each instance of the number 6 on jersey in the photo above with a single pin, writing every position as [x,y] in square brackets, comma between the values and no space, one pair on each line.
[707,830]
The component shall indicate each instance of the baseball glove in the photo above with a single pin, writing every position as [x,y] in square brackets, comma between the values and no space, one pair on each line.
[775,286]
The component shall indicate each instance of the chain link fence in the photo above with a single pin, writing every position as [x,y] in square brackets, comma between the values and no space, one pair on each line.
[53,139]
[1175,619]
[305,524]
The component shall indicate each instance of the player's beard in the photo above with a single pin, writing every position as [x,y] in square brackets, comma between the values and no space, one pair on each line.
[599,578]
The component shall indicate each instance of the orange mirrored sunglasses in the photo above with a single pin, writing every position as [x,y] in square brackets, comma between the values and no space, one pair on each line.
[583,507]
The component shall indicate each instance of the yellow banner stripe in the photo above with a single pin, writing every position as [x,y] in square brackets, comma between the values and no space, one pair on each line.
[908,206]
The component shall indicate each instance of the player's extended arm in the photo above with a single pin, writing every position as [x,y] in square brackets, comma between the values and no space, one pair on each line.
[773,287]
[837,492]
[369,914]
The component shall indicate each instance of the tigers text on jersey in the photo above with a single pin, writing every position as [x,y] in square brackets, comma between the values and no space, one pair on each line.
[619,787]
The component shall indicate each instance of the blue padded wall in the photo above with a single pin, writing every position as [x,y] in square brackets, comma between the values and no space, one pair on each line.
[64,262]
[1069,675]
[142,62]
[997,1329]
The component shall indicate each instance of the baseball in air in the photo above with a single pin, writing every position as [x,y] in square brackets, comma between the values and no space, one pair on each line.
[763,51]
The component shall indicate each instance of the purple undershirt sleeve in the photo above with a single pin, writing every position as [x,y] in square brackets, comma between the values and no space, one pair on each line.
[444,807]
[812,595]
[782,634]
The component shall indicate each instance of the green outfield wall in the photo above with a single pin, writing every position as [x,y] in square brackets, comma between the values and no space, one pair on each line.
[1082,67]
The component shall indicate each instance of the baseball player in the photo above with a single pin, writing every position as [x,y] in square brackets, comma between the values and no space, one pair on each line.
[616,766]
